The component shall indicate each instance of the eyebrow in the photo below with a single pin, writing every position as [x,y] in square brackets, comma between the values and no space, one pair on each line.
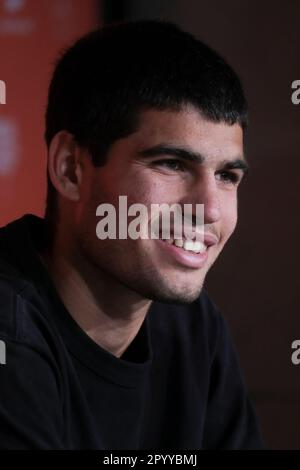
[238,163]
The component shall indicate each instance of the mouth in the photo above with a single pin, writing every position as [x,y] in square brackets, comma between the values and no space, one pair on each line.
[188,253]
[187,245]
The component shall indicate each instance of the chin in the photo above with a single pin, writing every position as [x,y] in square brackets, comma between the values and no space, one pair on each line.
[175,295]
[176,299]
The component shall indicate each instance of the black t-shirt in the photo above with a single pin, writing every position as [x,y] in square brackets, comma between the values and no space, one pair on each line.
[177,386]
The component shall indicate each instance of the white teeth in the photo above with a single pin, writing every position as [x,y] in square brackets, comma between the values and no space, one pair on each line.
[179,243]
[199,247]
[189,245]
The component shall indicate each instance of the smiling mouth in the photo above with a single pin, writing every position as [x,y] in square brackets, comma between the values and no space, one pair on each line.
[187,245]
[198,246]
[187,253]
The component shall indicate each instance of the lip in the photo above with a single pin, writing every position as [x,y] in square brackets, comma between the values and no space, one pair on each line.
[210,239]
[185,258]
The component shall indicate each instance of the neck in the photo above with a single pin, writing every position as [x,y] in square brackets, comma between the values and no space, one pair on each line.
[112,321]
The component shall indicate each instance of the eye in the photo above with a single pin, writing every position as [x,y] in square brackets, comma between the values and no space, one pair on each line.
[170,164]
[229,177]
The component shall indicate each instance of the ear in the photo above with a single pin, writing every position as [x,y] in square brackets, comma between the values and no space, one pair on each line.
[64,165]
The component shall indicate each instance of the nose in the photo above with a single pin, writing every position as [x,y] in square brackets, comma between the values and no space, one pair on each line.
[205,191]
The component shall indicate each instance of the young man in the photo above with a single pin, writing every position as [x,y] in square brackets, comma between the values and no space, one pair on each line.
[113,343]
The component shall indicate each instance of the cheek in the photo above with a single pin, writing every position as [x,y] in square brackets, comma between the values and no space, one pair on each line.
[149,190]
[229,217]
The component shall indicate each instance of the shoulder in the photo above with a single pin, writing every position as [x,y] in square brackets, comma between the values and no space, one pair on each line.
[22,319]
[31,392]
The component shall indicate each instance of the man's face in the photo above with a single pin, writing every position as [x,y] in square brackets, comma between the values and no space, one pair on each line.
[143,168]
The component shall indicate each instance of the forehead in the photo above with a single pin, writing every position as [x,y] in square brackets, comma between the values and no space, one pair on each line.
[190,129]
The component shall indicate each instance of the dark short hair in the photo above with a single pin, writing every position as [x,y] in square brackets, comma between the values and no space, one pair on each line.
[102,83]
